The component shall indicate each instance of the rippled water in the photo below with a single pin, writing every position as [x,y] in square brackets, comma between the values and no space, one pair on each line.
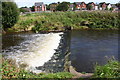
[91,46]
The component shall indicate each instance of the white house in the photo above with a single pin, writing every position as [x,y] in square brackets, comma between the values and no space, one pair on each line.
[109,5]
[96,7]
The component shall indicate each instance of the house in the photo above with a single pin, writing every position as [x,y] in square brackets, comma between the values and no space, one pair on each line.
[53,6]
[96,6]
[109,6]
[71,7]
[40,6]
[80,5]
[91,6]
[102,6]
[114,7]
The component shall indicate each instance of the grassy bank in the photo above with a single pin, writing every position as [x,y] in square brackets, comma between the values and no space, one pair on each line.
[57,21]
[110,70]
[9,70]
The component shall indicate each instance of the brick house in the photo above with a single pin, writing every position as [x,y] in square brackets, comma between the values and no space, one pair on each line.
[80,5]
[40,6]
[114,7]
[91,6]
[53,6]
[102,6]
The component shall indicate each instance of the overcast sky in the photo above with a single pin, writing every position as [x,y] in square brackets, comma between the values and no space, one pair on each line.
[29,3]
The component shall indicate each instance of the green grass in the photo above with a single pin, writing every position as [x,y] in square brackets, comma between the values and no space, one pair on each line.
[110,70]
[9,71]
[61,20]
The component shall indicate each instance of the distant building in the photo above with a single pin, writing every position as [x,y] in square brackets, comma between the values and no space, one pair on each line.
[53,6]
[102,6]
[109,6]
[91,5]
[80,5]
[40,6]
[114,7]
[71,7]
[96,7]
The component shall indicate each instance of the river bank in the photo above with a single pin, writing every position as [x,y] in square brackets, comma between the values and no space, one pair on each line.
[60,21]
[110,70]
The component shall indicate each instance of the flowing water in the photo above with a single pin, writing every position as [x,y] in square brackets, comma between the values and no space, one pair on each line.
[89,47]
[30,50]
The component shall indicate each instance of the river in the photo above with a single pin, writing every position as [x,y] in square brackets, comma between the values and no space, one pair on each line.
[87,48]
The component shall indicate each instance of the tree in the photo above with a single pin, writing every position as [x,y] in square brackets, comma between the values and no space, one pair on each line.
[32,8]
[64,6]
[23,10]
[89,7]
[74,7]
[118,5]
[48,7]
[10,14]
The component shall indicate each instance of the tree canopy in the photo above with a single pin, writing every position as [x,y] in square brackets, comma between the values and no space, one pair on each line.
[32,8]
[64,6]
[10,13]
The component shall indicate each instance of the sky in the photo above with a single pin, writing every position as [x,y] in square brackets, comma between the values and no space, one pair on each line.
[29,3]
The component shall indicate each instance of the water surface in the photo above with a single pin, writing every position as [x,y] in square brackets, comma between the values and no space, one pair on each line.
[30,50]
[91,46]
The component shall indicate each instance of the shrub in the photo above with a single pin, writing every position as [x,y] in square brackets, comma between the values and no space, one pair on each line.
[10,71]
[110,70]
[76,20]
[10,14]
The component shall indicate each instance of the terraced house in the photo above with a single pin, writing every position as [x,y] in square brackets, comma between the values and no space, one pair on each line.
[80,5]
[102,6]
[40,6]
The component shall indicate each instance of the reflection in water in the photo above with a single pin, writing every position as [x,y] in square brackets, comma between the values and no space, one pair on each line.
[91,46]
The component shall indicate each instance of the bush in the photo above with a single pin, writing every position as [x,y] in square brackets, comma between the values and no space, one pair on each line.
[77,20]
[10,71]
[110,70]
[64,6]
[10,14]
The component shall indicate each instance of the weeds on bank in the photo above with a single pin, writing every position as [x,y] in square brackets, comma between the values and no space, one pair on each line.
[61,20]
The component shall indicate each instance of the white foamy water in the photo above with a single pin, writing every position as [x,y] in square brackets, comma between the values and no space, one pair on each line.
[35,51]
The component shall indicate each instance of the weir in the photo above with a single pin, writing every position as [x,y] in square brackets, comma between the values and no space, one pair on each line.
[60,61]
[48,53]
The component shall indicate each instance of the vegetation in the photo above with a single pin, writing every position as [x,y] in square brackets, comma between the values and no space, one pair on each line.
[118,4]
[10,14]
[48,7]
[64,6]
[10,71]
[32,8]
[110,70]
[58,21]
[23,10]
[89,7]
